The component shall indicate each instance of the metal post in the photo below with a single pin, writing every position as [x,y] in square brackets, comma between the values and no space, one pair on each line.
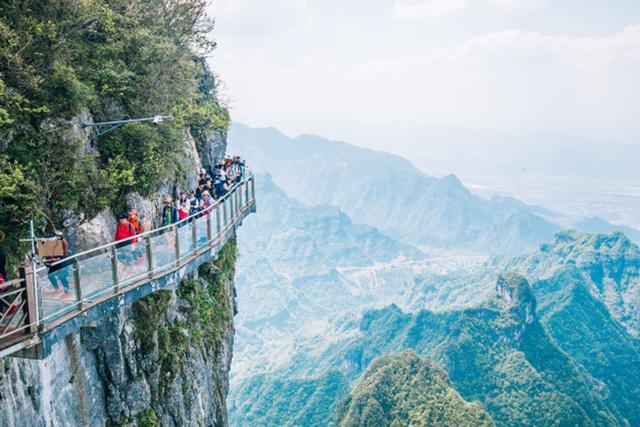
[78,283]
[209,232]
[36,283]
[147,240]
[224,212]
[194,234]
[27,277]
[114,268]
[253,188]
[218,226]
[246,192]
[177,244]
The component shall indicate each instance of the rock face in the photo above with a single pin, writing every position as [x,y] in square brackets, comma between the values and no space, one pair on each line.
[165,359]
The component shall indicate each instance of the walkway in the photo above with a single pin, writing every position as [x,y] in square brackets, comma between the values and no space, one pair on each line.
[32,319]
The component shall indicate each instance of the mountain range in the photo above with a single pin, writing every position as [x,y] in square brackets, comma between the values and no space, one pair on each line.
[300,265]
[387,192]
[552,352]
[348,267]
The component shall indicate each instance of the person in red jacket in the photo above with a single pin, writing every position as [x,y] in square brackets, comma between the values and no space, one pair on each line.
[183,212]
[124,230]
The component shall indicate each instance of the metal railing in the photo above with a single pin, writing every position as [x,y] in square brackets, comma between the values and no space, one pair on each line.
[70,286]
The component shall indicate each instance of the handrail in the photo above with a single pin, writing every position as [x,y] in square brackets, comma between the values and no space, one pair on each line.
[100,274]
[216,203]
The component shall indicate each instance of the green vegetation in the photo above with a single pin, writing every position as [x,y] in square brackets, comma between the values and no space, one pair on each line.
[405,390]
[31,391]
[497,356]
[204,307]
[270,401]
[582,327]
[113,59]
[147,418]
[550,354]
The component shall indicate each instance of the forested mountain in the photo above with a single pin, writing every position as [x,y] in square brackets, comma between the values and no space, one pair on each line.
[553,352]
[296,270]
[405,390]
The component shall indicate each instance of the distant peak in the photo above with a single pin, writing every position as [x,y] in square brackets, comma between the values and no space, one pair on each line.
[450,184]
[514,291]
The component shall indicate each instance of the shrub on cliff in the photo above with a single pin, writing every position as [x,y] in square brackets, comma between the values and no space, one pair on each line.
[113,59]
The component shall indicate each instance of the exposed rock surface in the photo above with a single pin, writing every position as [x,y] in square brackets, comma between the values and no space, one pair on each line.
[154,361]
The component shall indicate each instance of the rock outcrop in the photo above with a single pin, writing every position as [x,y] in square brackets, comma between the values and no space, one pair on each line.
[165,359]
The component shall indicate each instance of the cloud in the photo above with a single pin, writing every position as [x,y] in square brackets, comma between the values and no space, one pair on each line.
[517,4]
[426,10]
[419,10]
[257,18]
[508,80]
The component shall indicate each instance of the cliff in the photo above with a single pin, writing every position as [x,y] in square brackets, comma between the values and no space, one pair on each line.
[164,360]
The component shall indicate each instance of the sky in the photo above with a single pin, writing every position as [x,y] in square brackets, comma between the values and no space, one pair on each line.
[385,73]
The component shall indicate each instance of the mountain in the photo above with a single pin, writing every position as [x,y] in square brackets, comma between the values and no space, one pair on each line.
[560,350]
[582,327]
[499,354]
[387,192]
[300,265]
[268,401]
[608,265]
[598,225]
[404,389]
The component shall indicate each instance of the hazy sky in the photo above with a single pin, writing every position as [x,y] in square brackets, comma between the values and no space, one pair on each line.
[364,70]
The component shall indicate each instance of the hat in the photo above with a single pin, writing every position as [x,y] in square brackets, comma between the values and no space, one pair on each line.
[168,201]
[133,212]
[203,171]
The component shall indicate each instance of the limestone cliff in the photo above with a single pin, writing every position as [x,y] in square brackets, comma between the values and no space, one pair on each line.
[162,361]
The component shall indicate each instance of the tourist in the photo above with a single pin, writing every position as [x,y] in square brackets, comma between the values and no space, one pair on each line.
[207,201]
[59,272]
[169,213]
[135,221]
[228,185]
[124,231]
[183,212]
[182,198]
[201,189]
[203,175]
[194,205]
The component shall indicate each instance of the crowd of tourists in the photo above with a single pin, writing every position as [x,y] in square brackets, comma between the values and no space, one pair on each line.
[226,174]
